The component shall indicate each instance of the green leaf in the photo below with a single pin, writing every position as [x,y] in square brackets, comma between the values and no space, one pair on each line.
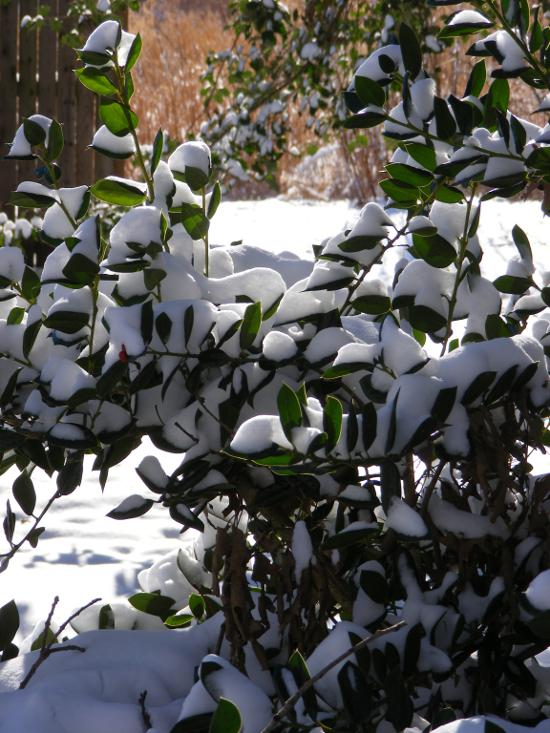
[153,277]
[152,603]
[177,621]
[355,691]
[94,58]
[9,624]
[29,337]
[390,483]
[363,120]
[24,493]
[477,387]
[290,410]
[31,200]
[409,174]
[69,476]
[448,194]
[194,220]
[347,538]
[15,316]
[197,605]
[195,178]
[106,617]
[158,146]
[444,121]
[373,305]
[133,53]
[402,193]
[359,243]
[163,326]
[55,141]
[435,250]
[119,192]
[374,585]
[252,320]
[111,378]
[215,200]
[96,81]
[477,79]
[369,91]
[444,403]
[410,50]
[30,284]
[332,420]
[400,708]
[79,269]
[369,424]
[423,154]
[34,132]
[512,284]
[425,319]
[118,118]
[67,321]
[521,240]
[226,718]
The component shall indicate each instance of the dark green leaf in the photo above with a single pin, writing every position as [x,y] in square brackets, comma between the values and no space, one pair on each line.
[410,50]
[34,132]
[252,320]
[24,493]
[158,146]
[423,154]
[152,603]
[67,321]
[477,79]
[215,200]
[332,420]
[118,118]
[435,250]
[425,319]
[521,240]
[290,410]
[226,718]
[369,91]
[512,284]
[133,53]
[55,141]
[194,220]
[444,120]
[9,624]
[163,326]
[409,174]
[479,385]
[373,305]
[119,192]
[355,691]
[443,404]
[96,81]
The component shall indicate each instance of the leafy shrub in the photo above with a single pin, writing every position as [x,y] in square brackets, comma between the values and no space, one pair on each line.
[355,452]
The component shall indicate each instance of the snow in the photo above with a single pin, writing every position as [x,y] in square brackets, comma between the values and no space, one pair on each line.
[193,154]
[405,520]
[20,146]
[302,548]
[83,555]
[104,140]
[470,17]
[538,592]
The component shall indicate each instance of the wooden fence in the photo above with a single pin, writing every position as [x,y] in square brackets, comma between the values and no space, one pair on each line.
[36,75]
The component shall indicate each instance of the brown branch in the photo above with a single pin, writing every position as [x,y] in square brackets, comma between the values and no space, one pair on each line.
[308,684]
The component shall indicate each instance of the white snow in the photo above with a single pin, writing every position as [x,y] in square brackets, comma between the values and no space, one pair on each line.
[83,555]
[405,520]
[117,144]
[538,592]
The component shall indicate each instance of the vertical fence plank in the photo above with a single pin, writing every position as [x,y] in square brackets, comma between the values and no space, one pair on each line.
[86,126]
[8,95]
[47,69]
[67,105]
[27,86]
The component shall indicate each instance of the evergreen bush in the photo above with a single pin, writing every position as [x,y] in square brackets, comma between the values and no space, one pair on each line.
[355,452]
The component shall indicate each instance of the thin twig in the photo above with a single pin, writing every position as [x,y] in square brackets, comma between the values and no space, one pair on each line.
[47,648]
[308,684]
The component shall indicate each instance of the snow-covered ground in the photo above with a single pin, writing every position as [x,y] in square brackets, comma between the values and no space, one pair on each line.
[83,554]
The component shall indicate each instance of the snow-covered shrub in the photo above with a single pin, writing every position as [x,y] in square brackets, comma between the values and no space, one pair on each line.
[356,453]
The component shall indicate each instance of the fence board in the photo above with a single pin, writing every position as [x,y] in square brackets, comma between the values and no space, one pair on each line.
[27,86]
[36,75]
[47,69]
[8,94]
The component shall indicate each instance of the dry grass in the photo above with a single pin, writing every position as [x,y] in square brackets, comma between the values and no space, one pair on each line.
[175,44]
[177,36]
